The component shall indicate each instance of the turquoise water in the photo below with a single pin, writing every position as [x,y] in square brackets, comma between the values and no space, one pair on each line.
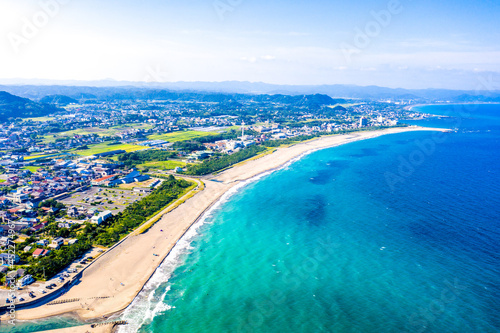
[394,234]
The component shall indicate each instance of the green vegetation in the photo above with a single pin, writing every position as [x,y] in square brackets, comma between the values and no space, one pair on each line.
[140,157]
[105,147]
[32,168]
[222,162]
[181,136]
[161,165]
[40,119]
[139,212]
[57,259]
[102,132]
[107,233]
[35,157]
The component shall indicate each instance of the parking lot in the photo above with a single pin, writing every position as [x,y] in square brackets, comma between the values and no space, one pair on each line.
[115,200]
[42,288]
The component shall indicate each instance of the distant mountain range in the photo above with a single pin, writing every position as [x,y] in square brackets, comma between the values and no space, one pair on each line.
[108,89]
[18,107]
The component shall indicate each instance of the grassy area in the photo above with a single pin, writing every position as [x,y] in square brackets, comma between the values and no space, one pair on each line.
[103,132]
[188,193]
[2,180]
[41,119]
[105,147]
[32,168]
[180,135]
[32,157]
[137,184]
[162,165]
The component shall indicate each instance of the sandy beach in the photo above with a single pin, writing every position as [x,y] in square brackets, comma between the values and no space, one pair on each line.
[121,272]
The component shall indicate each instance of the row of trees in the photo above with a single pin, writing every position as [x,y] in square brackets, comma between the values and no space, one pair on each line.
[139,157]
[139,212]
[218,163]
[108,232]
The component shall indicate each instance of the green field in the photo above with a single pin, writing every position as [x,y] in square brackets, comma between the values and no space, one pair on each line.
[40,119]
[32,168]
[103,132]
[36,156]
[162,165]
[180,136]
[105,147]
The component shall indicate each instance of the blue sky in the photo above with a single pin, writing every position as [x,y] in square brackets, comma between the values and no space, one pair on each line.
[396,43]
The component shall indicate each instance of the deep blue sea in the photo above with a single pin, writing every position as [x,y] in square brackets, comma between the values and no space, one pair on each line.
[399,233]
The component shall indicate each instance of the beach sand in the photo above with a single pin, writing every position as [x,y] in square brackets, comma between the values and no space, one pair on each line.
[120,273]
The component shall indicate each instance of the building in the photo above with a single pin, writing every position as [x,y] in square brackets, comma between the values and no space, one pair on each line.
[363,122]
[25,280]
[40,253]
[8,259]
[102,181]
[101,217]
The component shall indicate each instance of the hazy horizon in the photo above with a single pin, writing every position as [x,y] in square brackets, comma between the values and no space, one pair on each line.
[395,44]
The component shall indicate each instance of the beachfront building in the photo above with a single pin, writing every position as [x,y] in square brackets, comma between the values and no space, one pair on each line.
[363,122]
[25,280]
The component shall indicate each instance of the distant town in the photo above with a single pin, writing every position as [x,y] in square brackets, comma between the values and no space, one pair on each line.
[68,178]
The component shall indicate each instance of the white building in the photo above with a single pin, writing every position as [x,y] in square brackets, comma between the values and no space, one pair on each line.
[101,217]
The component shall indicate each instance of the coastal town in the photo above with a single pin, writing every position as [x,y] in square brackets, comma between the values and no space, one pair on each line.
[74,174]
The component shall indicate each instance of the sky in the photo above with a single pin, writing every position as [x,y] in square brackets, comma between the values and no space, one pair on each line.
[392,43]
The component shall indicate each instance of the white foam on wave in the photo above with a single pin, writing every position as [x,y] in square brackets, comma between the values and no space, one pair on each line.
[146,306]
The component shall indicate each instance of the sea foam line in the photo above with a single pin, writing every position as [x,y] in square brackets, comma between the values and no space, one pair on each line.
[145,306]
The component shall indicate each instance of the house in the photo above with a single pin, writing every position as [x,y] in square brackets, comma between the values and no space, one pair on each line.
[72,211]
[54,246]
[58,241]
[5,241]
[25,280]
[20,197]
[72,241]
[42,242]
[40,253]
[27,248]
[31,205]
[37,227]
[101,217]
[8,259]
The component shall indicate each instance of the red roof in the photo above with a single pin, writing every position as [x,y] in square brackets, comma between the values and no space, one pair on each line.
[39,252]
[103,178]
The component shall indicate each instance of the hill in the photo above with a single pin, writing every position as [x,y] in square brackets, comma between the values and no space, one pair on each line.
[58,99]
[12,106]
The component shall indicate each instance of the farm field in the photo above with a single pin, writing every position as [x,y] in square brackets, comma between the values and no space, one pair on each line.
[105,147]
[104,132]
[32,168]
[39,119]
[180,135]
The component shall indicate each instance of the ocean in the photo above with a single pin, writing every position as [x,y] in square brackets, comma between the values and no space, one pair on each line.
[398,233]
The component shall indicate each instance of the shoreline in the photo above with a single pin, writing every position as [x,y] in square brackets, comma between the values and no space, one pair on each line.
[125,284]
[410,107]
